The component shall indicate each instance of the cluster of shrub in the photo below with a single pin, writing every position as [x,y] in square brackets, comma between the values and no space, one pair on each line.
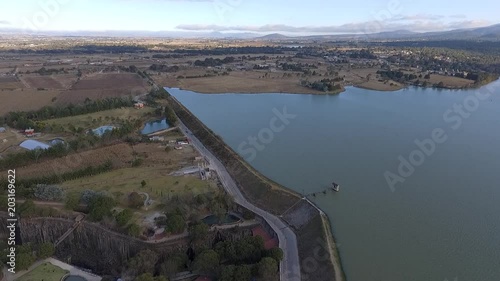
[26,254]
[213,62]
[324,85]
[163,68]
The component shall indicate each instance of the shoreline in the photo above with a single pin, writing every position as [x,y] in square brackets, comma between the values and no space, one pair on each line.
[323,230]
[308,91]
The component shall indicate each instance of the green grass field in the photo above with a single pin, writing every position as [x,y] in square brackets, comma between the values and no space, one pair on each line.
[101,117]
[158,183]
[45,272]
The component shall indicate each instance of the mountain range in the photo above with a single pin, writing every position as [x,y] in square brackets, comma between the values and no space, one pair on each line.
[483,33]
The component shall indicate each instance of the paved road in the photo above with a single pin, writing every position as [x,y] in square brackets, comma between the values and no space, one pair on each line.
[290,266]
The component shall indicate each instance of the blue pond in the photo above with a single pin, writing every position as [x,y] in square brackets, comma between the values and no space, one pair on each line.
[103,129]
[155,126]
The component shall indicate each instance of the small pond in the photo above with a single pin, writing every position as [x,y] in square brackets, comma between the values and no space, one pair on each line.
[228,219]
[102,130]
[155,126]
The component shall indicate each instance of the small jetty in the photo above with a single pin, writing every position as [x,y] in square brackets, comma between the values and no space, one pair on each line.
[335,187]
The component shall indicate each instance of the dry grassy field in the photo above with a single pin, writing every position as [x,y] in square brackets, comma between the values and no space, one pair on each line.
[9,139]
[238,82]
[27,99]
[10,83]
[450,81]
[109,81]
[100,86]
[46,82]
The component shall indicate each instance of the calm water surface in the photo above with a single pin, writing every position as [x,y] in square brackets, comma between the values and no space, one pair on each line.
[442,222]
[155,126]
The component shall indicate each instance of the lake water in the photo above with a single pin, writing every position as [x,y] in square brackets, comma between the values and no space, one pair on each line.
[155,126]
[442,222]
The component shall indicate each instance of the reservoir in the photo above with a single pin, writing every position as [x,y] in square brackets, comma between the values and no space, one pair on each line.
[155,126]
[438,221]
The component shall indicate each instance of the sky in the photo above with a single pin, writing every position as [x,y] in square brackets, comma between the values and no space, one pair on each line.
[260,16]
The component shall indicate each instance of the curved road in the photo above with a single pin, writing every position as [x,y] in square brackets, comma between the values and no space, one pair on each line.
[290,266]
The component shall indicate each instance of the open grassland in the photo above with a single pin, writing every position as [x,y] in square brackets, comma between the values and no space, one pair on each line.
[238,82]
[100,86]
[10,83]
[46,82]
[101,118]
[159,183]
[46,272]
[449,81]
[25,100]
[9,138]
[109,81]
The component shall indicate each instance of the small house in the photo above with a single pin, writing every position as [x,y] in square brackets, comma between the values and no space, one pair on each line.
[29,132]
[2,130]
[139,105]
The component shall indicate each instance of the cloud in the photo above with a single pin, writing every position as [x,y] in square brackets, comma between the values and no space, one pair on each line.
[416,17]
[4,22]
[360,27]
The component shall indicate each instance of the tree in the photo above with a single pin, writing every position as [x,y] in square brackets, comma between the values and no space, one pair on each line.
[144,262]
[175,223]
[134,230]
[100,206]
[27,208]
[135,200]
[207,261]
[124,217]
[143,183]
[268,269]
[276,254]
[72,201]
[227,273]
[45,250]
[243,273]
[172,265]
[198,231]
[24,261]
[145,277]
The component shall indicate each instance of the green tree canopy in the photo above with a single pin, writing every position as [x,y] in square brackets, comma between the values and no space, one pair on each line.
[198,232]
[124,217]
[268,269]
[100,206]
[143,262]
[207,261]
[276,254]
[175,223]
[46,250]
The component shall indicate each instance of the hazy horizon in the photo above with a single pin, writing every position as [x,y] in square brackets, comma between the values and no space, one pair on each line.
[243,16]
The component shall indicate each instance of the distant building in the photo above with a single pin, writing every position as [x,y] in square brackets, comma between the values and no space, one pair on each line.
[178,147]
[29,132]
[139,105]
[2,130]
[157,138]
[34,145]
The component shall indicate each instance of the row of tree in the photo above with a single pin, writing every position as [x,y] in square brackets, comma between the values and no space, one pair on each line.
[26,119]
